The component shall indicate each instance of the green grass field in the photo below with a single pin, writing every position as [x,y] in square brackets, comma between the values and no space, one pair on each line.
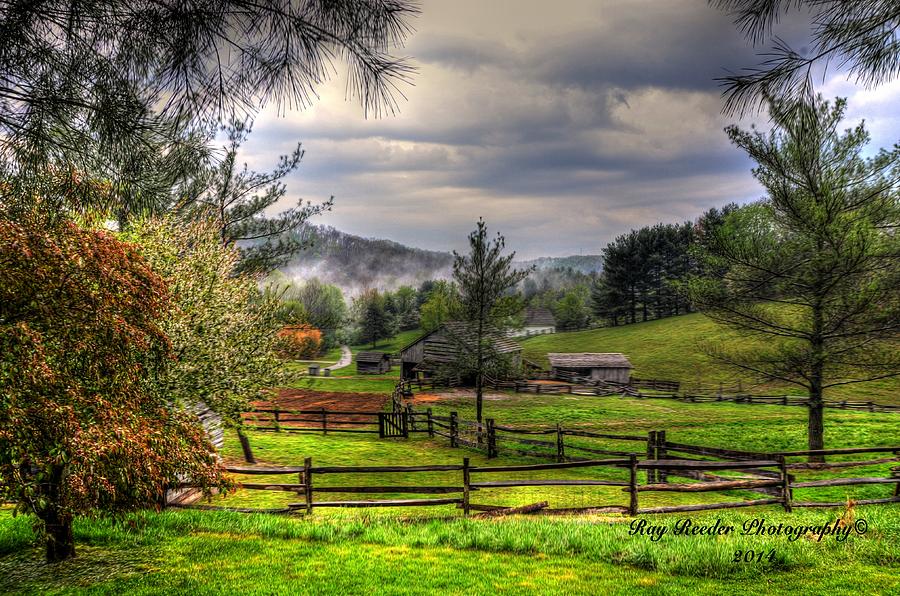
[671,349]
[437,550]
[220,552]
[392,345]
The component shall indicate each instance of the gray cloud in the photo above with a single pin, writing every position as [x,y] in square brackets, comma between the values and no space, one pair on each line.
[564,127]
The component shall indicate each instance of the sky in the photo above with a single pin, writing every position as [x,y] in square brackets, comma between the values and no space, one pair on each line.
[563,124]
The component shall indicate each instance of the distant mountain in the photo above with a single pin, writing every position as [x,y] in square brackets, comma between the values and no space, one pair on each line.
[355,263]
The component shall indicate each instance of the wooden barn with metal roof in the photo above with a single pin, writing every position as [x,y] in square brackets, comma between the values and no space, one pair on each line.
[447,343]
[612,367]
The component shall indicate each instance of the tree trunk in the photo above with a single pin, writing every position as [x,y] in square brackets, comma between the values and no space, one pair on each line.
[816,425]
[245,447]
[57,525]
[60,539]
[479,395]
[633,304]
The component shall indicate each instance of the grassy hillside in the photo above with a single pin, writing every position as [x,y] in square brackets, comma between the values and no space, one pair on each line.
[392,345]
[671,349]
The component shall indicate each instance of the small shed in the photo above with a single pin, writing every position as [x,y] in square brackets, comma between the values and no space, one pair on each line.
[371,363]
[612,367]
[443,345]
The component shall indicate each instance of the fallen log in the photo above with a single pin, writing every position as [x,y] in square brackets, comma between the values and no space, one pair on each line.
[515,510]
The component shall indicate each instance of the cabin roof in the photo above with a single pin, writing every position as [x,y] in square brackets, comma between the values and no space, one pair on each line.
[467,333]
[589,360]
[451,334]
[538,316]
[371,356]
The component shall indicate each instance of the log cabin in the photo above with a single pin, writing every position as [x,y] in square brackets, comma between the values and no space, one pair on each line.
[448,343]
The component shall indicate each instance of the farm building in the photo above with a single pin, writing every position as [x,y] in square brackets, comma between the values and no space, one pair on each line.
[373,362]
[443,346]
[605,367]
[538,321]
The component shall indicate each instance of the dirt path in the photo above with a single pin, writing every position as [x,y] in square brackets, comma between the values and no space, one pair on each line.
[346,359]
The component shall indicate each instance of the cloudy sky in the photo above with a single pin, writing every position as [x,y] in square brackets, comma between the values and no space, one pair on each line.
[563,124]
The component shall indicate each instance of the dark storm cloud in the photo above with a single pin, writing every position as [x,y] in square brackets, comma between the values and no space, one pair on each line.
[564,125]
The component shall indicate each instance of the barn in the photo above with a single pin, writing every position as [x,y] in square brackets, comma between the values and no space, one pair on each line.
[444,345]
[606,367]
[372,363]
[537,321]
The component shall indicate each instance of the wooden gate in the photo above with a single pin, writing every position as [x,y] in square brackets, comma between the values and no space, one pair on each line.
[392,424]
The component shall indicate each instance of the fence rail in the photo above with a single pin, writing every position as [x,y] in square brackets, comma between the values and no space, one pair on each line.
[470,481]
[573,384]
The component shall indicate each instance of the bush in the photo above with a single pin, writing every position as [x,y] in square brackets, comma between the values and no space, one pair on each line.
[299,342]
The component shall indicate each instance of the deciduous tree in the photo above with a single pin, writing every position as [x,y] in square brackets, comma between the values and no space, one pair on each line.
[84,426]
[222,329]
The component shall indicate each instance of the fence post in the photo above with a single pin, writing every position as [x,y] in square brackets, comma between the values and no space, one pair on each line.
[651,454]
[245,446]
[632,486]
[430,423]
[277,419]
[465,502]
[785,484]
[454,430]
[307,481]
[324,421]
[661,474]
[560,446]
[491,438]
[411,421]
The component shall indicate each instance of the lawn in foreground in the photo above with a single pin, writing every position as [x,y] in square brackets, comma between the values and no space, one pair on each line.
[217,552]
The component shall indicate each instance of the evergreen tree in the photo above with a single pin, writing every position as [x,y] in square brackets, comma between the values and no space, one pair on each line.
[860,35]
[238,198]
[375,321]
[814,270]
[485,277]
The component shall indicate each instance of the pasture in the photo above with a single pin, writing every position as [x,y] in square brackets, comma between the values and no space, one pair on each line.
[672,348]
[407,550]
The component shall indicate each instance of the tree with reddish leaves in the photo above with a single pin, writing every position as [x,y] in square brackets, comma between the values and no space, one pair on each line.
[82,429]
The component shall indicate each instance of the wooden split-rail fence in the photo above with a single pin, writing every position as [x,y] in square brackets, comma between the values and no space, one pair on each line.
[572,384]
[384,424]
[469,481]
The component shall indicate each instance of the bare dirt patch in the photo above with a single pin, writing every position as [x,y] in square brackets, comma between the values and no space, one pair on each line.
[307,399]
[455,394]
